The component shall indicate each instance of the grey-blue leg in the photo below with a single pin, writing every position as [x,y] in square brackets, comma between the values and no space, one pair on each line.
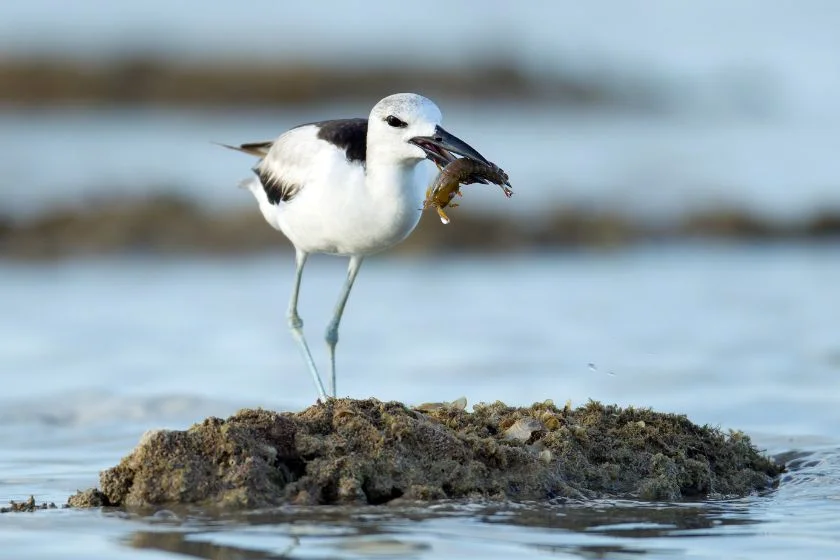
[332,329]
[296,324]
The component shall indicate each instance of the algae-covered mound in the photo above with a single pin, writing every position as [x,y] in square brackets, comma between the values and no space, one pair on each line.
[357,452]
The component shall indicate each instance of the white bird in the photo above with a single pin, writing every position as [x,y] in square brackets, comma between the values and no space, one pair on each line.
[349,187]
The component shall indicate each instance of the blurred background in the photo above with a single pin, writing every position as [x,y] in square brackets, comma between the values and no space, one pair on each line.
[671,242]
[616,122]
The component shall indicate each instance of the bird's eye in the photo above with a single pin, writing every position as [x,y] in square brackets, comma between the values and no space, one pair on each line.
[395,122]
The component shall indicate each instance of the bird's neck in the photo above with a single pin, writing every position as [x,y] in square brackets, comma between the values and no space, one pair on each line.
[387,179]
[394,196]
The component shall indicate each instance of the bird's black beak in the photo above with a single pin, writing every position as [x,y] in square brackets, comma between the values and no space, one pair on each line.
[441,145]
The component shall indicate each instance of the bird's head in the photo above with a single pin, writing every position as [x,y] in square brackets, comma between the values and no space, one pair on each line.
[405,127]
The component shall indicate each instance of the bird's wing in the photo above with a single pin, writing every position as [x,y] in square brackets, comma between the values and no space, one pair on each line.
[297,156]
[308,153]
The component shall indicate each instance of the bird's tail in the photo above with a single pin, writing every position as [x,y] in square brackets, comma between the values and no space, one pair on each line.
[259,149]
[249,184]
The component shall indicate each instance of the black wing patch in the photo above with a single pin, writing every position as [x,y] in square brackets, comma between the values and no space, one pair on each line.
[276,190]
[348,134]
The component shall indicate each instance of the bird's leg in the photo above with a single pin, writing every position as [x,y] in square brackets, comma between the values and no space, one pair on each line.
[296,325]
[332,330]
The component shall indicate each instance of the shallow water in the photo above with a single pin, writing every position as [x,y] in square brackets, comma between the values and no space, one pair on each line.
[95,352]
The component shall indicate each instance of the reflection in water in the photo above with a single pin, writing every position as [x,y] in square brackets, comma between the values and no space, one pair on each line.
[606,551]
[599,529]
[628,519]
[181,543]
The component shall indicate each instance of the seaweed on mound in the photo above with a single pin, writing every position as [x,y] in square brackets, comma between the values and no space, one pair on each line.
[27,506]
[371,452]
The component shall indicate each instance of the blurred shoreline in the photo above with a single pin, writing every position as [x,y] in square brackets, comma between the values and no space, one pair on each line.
[152,81]
[165,224]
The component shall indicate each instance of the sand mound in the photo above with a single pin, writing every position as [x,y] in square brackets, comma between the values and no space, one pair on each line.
[372,452]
